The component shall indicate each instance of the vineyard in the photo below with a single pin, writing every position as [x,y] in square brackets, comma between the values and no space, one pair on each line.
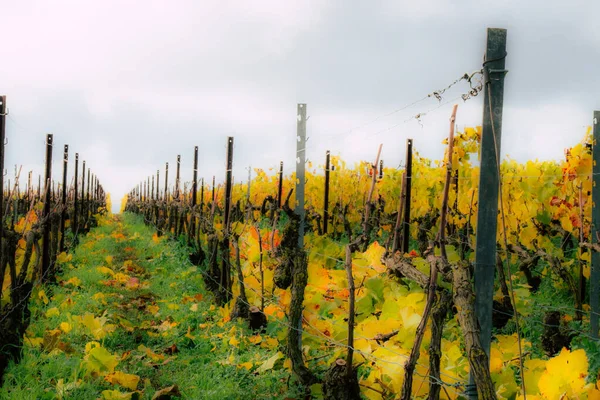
[461,277]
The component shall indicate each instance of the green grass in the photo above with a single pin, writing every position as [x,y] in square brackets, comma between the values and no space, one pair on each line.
[161,314]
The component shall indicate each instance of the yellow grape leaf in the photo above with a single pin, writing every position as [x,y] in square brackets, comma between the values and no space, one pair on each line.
[496,362]
[128,381]
[52,312]
[234,342]
[121,277]
[64,257]
[42,296]
[256,339]
[115,395]
[593,393]
[98,361]
[97,326]
[153,309]
[566,223]
[248,365]
[373,256]
[194,307]
[109,260]
[33,341]
[106,270]
[270,363]
[565,374]
[66,327]
[75,281]
[269,343]
[272,310]
[155,357]
[62,389]
[167,393]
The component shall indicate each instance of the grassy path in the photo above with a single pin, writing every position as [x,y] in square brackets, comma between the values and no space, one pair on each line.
[129,319]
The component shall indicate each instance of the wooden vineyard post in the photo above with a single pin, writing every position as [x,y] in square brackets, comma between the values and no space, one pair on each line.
[300,170]
[63,202]
[225,281]
[166,181]
[201,196]
[248,205]
[407,198]
[213,191]
[46,211]
[300,181]
[489,181]
[88,210]
[194,195]
[326,194]
[280,185]
[152,189]
[74,227]
[158,184]
[2,140]
[156,206]
[595,272]
[83,195]
[177,183]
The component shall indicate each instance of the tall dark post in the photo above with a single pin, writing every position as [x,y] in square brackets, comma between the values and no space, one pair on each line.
[177,189]
[2,140]
[157,184]
[74,227]
[213,189]
[300,170]
[201,195]
[299,189]
[228,183]
[194,194]
[88,209]
[29,190]
[380,169]
[152,189]
[83,205]
[407,199]
[225,281]
[46,212]
[166,181]
[280,184]
[487,214]
[595,273]
[326,201]
[64,198]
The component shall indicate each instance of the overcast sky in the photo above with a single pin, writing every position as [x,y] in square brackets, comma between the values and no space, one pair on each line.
[131,84]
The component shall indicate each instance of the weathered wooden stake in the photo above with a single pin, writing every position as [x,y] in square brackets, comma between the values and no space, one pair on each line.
[194,194]
[407,197]
[2,140]
[300,169]
[46,211]
[595,273]
[326,200]
[63,216]
[489,180]
[225,282]
[177,192]
[166,181]
[280,184]
[74,226]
